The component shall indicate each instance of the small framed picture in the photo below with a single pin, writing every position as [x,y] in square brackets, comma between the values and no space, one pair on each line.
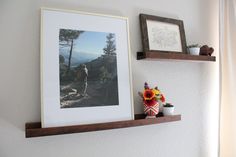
[161,34]
[85,68]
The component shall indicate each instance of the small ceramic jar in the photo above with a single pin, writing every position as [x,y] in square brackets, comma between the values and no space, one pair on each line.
[168,110]
[194,50]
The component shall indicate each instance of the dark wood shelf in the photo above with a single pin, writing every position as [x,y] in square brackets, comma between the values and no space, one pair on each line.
[173,56]
[35,129]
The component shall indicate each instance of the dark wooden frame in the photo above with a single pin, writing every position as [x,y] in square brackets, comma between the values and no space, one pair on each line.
[144,31]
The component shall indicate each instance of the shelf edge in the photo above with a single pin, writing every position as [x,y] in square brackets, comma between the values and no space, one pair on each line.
[35,130]
[173,56]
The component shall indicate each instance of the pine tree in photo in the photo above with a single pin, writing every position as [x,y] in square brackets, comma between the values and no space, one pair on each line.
[110,48]
[67,38]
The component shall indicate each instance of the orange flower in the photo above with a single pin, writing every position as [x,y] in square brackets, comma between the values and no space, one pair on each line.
[148,94]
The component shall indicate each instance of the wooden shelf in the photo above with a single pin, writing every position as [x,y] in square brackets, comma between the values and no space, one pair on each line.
[173,56]
[35,129]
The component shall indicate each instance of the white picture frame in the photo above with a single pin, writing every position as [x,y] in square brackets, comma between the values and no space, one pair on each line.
[62,108]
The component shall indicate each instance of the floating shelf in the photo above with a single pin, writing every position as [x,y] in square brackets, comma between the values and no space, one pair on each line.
[35,129]
[173,56]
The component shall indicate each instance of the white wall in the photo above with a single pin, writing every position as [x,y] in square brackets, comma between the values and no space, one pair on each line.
[191,87]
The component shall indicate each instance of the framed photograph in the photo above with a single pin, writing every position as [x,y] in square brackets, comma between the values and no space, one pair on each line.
[85,68]
[161,34]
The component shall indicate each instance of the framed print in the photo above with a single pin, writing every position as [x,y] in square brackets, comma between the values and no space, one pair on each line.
[85,68]
[161,34]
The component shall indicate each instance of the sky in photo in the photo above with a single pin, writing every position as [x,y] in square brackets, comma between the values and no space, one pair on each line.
[91,42]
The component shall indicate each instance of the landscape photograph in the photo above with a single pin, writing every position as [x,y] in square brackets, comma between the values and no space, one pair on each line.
[88,69]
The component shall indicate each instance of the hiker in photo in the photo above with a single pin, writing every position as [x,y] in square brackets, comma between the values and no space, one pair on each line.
[84,79]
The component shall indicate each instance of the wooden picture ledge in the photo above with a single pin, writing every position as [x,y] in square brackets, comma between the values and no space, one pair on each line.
[173,56]
[35,129]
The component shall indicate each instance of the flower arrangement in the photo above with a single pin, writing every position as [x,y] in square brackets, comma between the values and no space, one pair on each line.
[151,95]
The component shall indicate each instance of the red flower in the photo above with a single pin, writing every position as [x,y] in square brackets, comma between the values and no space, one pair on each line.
[162,98]
[148,94]
[151,102]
